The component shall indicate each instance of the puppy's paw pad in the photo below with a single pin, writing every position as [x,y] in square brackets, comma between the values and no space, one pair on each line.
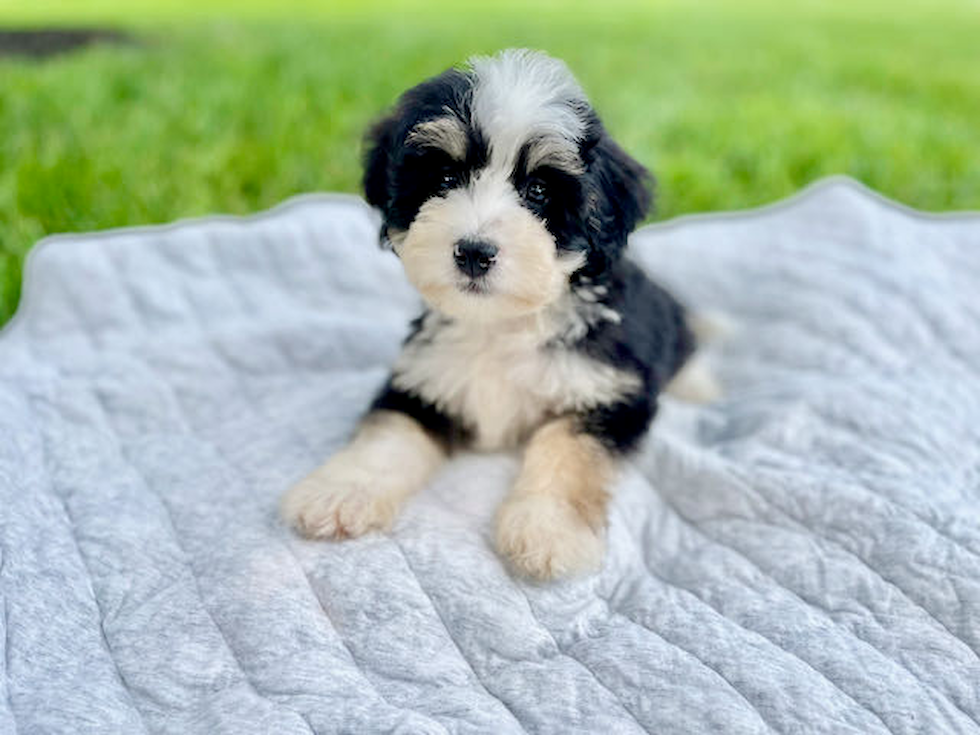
[321,508]
[545,537]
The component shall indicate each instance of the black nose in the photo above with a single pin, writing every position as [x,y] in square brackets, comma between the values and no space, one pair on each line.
[474,257]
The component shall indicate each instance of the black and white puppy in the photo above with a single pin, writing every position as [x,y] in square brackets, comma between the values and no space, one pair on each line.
[509,206]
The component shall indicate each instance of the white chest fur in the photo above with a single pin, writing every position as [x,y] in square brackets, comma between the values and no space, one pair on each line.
[504,380]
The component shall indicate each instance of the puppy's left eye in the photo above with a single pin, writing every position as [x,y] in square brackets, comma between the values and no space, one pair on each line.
[536,192]
[448,180]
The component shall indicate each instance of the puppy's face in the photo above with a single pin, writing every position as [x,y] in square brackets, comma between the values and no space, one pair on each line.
[499,187]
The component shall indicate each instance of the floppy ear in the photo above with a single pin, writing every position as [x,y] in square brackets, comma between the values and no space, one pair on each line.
[623,187]
[378,145]
[618,198]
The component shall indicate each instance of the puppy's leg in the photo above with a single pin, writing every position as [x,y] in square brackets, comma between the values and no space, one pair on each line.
[362,487]
[552,523]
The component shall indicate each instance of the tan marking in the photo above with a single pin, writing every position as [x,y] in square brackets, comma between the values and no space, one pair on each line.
[552,523]
[557,153]
[362,487]
[444,133]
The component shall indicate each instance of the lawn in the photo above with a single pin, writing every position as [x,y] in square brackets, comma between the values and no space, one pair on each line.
[230,107]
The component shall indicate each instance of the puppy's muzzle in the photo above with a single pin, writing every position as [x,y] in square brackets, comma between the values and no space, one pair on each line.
[474,257]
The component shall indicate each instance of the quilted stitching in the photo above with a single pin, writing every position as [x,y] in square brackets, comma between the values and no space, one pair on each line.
[802,557]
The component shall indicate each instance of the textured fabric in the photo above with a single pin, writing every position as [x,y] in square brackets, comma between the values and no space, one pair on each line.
[803,556]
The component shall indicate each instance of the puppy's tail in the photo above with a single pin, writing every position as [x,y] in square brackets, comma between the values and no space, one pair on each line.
[695,382]
[711,325]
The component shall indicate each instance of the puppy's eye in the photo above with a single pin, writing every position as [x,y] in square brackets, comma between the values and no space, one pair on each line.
[536,192]
[448,179]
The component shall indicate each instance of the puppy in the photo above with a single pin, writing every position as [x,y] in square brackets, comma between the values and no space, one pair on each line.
[509,206]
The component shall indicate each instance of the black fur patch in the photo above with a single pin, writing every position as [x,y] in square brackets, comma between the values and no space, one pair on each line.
[652,340]
[444,428]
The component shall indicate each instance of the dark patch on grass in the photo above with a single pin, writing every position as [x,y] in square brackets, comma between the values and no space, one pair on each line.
[41,43]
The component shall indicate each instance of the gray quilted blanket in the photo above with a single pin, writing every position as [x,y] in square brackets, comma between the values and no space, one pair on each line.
[802,557]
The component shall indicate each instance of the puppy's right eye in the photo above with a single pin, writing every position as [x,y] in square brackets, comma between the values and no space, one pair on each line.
[536,192]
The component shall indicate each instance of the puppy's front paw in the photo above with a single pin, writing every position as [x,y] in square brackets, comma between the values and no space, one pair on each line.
[341,505]
[545,536]
[364,485]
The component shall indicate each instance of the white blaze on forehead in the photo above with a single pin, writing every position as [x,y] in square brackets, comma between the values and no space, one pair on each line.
[522,96]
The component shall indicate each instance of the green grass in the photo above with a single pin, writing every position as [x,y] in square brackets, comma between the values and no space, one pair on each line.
[231,107]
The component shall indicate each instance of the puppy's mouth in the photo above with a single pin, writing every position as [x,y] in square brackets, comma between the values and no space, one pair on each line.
[475,286]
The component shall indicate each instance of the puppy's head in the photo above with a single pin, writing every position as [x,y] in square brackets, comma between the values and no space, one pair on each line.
[499,187]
